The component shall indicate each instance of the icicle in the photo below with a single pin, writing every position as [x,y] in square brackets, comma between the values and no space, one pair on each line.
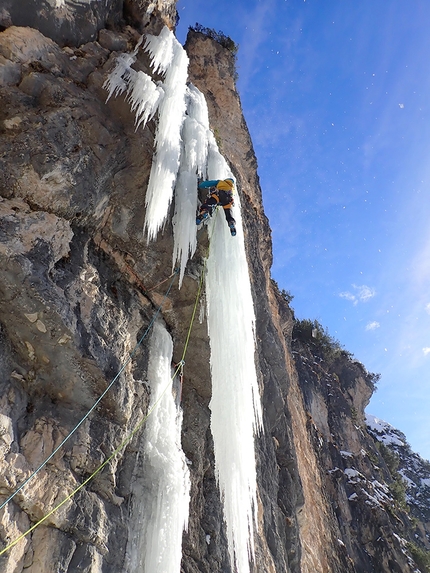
[167,143]
[235,404]
[118,80]
[184,220]
[195,133]
[144,108]
[161,49]
[161,486]
[146,97]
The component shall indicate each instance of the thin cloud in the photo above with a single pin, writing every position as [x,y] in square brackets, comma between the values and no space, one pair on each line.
[349,296]
[365,293]
[426,350]
[428,308]
[372,325]
[257,25]
[421,275]
[361,293]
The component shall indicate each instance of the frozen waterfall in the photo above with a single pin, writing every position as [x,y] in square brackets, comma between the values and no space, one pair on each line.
[185,150]
[235,404]
[173,61]
[146,98]
[195,134]
[161,481]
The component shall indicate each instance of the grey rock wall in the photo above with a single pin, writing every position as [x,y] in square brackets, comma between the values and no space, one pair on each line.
[73,22]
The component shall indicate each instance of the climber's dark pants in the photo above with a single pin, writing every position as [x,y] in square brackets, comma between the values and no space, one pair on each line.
[222,198]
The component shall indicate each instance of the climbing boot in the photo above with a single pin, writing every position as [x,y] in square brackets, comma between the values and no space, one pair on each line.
[232,228]
[202,217]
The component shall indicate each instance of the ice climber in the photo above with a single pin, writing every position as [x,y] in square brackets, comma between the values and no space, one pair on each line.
[220,193]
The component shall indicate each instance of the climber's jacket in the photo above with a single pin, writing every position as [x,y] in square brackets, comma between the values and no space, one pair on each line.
[221,191]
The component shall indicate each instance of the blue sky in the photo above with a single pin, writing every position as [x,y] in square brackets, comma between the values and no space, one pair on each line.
[336,95]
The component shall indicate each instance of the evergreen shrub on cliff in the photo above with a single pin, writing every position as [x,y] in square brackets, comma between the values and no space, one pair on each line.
[421,557]
[219,37]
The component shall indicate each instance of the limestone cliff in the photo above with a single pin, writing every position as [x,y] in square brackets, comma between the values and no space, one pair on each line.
[79,285]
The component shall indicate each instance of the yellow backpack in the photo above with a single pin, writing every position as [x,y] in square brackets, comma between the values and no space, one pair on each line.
[226,185]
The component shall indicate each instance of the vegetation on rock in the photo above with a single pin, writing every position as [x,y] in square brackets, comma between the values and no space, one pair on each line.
[219,37]
[327,345]
[420,556]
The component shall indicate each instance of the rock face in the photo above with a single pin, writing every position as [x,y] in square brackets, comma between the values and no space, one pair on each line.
[79,286]
[73,22]
[414,472]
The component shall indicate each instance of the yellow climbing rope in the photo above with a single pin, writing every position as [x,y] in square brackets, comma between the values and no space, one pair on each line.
[126,440]
[99,399]
[199,290]
[89,478]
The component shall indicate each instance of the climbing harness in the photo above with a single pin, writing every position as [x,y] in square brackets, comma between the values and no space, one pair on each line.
[43,464]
